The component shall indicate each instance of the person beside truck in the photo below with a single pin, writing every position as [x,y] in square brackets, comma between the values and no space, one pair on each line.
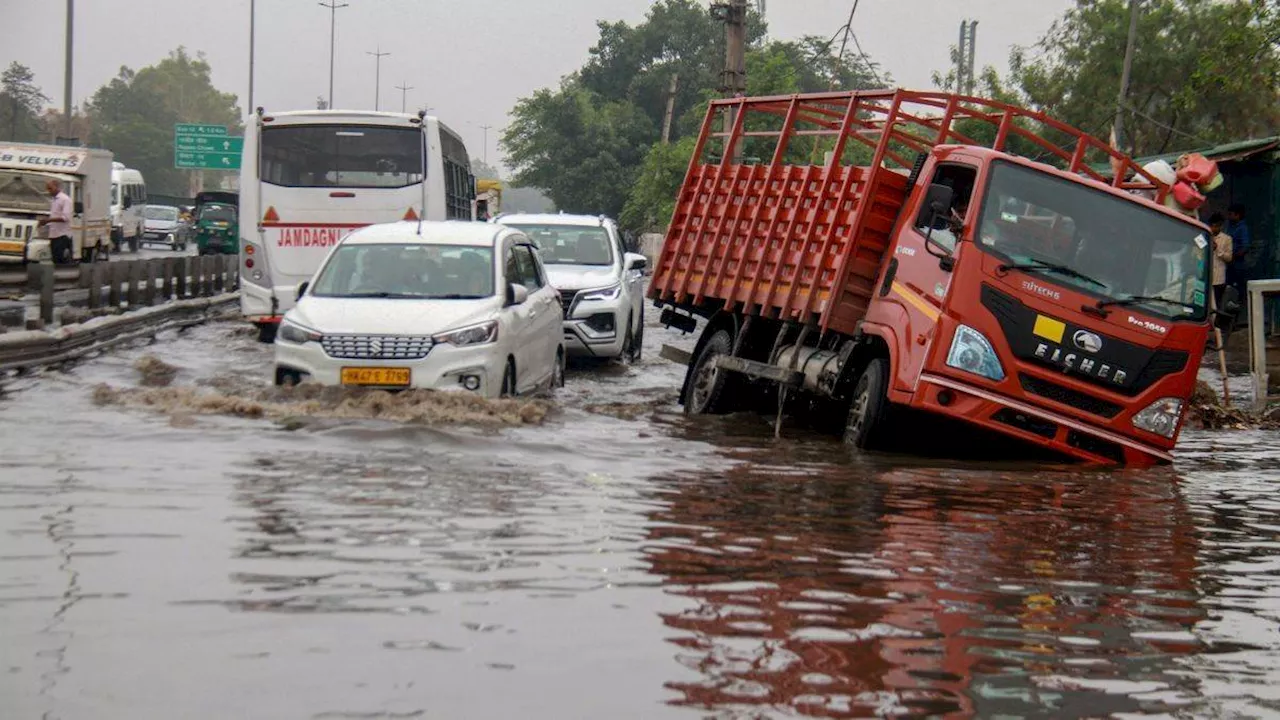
[58,223]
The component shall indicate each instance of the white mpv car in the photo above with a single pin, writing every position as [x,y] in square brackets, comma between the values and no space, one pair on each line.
[601,284]
[461,306]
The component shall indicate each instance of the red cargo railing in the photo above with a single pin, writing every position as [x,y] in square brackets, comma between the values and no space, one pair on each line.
[792,241]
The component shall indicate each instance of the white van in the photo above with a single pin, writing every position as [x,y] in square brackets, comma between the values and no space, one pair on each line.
[128,200]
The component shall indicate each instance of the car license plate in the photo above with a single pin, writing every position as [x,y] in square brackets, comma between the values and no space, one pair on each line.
[398,377]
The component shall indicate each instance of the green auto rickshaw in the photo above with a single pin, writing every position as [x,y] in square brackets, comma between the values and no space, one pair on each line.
[216,224]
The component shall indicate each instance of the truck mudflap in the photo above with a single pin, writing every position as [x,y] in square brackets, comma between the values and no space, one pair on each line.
[1034,424]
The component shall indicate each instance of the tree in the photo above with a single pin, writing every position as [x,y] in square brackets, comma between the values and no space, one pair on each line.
[483,171]
[1204,71]
[134,116]
[20,103]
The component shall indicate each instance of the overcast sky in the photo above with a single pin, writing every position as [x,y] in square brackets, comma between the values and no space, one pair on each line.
[470,60]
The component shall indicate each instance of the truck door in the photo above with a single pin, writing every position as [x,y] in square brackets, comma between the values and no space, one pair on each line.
[921,283]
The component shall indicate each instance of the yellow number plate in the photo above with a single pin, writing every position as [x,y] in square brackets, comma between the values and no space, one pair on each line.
[375,376]
[12,247]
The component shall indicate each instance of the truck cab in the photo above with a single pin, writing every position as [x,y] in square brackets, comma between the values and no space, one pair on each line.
[1028,300]
[83,173]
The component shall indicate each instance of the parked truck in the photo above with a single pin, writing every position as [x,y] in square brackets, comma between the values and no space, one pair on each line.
[954,259]
[85,174]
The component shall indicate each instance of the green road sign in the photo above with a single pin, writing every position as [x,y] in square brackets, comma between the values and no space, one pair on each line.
[201,160]
[200,143]
[196,129]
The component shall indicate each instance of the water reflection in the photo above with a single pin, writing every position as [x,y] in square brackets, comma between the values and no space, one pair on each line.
[859,590]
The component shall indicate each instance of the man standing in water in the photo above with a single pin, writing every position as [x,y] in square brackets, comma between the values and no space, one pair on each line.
[59,222]
[1240,243]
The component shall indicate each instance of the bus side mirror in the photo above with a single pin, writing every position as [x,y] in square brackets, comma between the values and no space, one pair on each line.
[128,203]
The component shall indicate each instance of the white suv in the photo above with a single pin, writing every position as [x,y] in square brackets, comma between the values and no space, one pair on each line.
[601,284]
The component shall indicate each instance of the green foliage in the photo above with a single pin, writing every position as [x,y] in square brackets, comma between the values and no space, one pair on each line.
[652,200]
[20,103]
[134,115]
[1204,71]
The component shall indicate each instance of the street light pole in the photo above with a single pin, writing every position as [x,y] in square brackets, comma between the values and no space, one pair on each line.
[486,129]
[66,87]
[377,76]
[252,18]
[404,93]
[333,20]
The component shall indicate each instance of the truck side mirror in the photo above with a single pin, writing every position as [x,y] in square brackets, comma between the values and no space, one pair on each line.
[937,202]
[78,208]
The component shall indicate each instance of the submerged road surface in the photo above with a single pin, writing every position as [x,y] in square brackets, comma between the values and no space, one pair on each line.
[619,561]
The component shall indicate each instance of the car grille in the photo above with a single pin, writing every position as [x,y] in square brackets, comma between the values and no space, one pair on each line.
[377,347]
[1069,396]
[566,300]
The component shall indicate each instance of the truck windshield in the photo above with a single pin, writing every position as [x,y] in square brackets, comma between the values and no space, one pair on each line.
[1097,243]
[570,244]
[19,191]
[341,156]
[402,271]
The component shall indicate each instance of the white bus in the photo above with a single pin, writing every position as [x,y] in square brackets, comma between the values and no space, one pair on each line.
[310,177]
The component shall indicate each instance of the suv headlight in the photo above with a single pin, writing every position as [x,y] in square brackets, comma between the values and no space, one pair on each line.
[481,334]
[971,352]
[294,333]
[1160,417]
[606,293]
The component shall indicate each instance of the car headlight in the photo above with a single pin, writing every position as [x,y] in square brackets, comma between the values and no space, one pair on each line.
[605,293]
[471,335]
[1160,417]
[294,333]
[971,352]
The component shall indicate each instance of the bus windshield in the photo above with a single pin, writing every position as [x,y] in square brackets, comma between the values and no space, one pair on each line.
[355,156]
[1100,244]
[407,271]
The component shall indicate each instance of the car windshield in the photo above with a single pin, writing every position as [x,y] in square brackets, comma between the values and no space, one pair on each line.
[341,156]
[443,272]
[217,213]
[1102,245]
[160,212]
[570,244]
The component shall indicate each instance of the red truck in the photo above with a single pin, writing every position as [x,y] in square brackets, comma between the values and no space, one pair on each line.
[953,256]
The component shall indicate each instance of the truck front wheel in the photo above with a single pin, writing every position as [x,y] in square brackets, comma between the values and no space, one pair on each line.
[870,402]
[707,382]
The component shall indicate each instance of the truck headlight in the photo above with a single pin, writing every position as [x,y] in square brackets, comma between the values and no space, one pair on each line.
[971,352]
[474,335]
[605,293]
[1160,417]
[294,333]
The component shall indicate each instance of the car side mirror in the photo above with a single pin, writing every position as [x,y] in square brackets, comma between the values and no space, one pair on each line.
[78,208]
[302,290]
[636,261]
[517,294]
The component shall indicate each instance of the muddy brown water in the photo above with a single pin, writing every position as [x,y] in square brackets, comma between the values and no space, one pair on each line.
[618,561]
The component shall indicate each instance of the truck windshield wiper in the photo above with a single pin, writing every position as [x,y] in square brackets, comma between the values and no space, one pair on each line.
[1137,299]
[1052,267]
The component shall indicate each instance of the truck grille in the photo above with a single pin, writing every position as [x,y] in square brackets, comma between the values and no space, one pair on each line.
[1067,396]
[377,347]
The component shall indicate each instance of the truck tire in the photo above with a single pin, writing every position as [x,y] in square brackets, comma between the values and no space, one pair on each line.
[706,382]
[866,421]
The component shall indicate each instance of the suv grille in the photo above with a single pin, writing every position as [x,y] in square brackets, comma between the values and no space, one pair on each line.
[376,347]
[1067,396]
[566,300]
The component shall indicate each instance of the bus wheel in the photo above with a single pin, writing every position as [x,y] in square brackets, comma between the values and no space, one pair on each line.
[267,333]
[867,411]
[707,382]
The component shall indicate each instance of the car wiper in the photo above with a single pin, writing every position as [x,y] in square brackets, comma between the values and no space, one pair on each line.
[1137,299]
[383,295]
[454,296]
[1052,267]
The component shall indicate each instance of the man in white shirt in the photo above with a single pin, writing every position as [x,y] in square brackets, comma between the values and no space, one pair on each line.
[59,222]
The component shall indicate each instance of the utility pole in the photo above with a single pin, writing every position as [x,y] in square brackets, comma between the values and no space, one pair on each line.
[66,85]
[404,93]
[733,79]
[1118,130]
[377,75]
[973,54]
[486,129]
[671,108]
[252,18]
[965,56]
[333,20]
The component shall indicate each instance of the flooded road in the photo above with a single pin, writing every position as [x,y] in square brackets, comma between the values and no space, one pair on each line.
[616,561]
